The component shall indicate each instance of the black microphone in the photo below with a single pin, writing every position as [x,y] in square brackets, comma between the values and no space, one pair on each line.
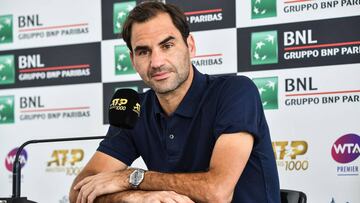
[124,110]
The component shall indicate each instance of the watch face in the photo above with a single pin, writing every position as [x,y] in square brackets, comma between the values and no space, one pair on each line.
[136,177]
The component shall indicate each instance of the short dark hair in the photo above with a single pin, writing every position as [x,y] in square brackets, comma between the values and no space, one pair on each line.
[148,10]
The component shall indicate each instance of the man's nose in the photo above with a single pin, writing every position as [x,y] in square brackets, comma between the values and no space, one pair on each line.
[157,59]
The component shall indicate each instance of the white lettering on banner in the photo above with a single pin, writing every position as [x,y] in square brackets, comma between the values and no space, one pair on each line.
[350,50]
[32,76]
[349,148]
[30,61]
[11,159]
[301,54]
[53,74]
[298,37]
[75,73]
[205,18]
[330,51]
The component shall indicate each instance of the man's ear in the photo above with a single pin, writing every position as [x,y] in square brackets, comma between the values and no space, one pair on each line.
[191,45]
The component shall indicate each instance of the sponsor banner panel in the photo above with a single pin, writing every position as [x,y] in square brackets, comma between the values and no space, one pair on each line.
[41,110]
[114,13]
[307,44]
[46,24]
[265,12]
[116,63]
[70,64]
[48,166]
[209,16]
[110,88]
[215,56]
[7,154]
[52,165]
[304,107]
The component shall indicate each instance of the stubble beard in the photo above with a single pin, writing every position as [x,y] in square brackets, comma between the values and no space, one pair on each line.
[170,84]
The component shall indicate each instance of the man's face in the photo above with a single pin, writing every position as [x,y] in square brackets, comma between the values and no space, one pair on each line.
[160,54]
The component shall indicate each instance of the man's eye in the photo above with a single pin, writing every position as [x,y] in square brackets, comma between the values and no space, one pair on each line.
[167,46]
[142,52]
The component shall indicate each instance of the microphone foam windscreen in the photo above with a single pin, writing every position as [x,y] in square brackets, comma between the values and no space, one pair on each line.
[124,109]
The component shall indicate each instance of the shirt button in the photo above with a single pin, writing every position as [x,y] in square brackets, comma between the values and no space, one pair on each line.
[171,136]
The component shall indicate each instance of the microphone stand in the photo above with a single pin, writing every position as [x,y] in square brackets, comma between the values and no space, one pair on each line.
[16,176]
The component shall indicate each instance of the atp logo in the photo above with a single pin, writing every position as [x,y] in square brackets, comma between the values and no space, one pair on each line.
[264,48]
[6,29]
[346,149]
[268,90]
[65,160]
[122,61]
[7,69]
[263,8]
[121,11]
[7,114]
[10,158]
[287,154]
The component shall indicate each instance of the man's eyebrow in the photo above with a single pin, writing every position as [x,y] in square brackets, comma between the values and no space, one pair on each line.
[141,48]
[166,40]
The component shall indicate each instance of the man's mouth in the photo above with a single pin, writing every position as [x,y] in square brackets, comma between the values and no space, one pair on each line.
[160,75]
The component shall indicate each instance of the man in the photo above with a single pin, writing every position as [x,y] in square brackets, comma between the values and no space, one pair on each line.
[203,138]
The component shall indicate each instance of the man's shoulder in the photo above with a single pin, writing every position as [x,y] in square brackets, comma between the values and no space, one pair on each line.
[231,82]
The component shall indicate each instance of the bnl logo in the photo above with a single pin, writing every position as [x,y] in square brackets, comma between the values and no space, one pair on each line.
[264,48]
[7,69]
[64,156]
[123,64]
[268,90]
[7,114]
[286,149]
[121,11]
[10,158]
[6,29]
[263,8]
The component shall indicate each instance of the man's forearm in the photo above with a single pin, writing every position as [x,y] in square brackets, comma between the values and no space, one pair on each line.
[201,187]
[130,196]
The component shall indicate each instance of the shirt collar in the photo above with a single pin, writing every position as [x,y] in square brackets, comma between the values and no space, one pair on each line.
[190,102]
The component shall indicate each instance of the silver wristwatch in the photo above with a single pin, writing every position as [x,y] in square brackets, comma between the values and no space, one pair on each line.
[136,177]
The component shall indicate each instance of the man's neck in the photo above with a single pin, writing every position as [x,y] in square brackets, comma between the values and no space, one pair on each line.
[169,102]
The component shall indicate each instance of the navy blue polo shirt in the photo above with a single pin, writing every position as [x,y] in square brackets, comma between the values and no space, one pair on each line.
[184,141]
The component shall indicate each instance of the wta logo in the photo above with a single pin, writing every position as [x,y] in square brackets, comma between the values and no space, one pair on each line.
[10,158]
[346,149]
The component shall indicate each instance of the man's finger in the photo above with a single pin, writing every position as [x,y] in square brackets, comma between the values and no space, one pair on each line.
[83,182]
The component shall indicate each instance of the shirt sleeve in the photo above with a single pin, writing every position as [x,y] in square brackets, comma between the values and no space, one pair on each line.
[239,108]
[119,144]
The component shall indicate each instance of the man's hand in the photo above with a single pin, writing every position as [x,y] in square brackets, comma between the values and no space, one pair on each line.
[164,197]
[101,184]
